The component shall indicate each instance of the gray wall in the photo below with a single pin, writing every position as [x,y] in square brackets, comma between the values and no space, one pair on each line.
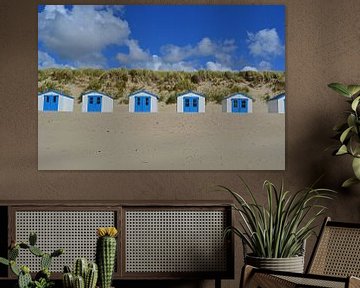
[322,46]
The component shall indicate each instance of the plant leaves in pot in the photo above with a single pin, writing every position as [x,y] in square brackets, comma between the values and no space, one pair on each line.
[348,132]
[276,233]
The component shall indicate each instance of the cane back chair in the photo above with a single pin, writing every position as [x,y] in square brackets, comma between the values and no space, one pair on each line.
[335,262]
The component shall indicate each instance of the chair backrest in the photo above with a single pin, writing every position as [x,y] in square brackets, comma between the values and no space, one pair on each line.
[337,251]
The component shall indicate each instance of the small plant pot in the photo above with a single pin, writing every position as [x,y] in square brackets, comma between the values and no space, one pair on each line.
[291,264]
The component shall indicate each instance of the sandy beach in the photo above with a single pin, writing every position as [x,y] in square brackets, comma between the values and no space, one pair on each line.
[161,141]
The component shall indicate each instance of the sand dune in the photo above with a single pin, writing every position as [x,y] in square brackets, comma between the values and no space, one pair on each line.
[161,141]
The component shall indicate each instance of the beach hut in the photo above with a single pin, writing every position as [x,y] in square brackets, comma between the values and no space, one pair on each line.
[94,101]
[238,103]
[190,102]
[55,101]
[143,101]
[276,104]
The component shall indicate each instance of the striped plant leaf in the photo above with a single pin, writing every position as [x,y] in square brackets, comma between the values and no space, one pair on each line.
[279,228]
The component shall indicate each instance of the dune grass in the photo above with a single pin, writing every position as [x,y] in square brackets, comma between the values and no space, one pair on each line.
[167,84]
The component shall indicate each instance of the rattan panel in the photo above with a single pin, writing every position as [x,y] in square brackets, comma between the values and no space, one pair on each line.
[312,282]
[75,231]
[338,253]
[175,241]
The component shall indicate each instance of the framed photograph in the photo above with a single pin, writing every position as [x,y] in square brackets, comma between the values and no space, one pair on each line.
[161,87]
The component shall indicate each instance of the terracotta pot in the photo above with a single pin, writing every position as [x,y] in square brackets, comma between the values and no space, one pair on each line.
[291,264]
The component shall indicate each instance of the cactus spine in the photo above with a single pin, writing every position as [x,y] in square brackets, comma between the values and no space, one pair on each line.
[68,280]
[24,278]
[106,254]
[84,274]
[91,276]
[80,267]
[79,282]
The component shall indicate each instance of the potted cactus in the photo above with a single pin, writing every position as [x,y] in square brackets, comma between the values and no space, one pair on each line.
[42,278]
[106,254]
[85,275]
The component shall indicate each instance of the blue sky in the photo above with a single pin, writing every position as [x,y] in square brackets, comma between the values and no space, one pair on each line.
[162,37]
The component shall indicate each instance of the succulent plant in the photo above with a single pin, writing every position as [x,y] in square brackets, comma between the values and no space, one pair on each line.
[85,275]
[80,267]
[79,282]
[91,276]
[106,254]
[42,278]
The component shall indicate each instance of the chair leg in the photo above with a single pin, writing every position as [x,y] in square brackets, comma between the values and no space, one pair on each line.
[246,273]
[217,283]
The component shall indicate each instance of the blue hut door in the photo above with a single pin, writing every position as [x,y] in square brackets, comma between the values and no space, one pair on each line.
[51,103]
[94,103]
[191,104]
[142,104]
[239,105]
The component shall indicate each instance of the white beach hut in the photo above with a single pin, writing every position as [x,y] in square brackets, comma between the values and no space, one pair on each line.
[143,101]
[94,101]
[55,101]
[190,102]
[276,104]
[238,103]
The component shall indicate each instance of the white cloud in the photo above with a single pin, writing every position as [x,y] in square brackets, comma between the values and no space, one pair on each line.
[46,61]
[214,66]
[175,57]
[249,68]
[136,54]
[264,66]
[265,43]
[220,51]
[79,35]
[172,53]
[206,47]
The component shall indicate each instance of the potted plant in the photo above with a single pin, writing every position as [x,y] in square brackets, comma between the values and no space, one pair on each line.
[84,274]
[276,233]
[348,132]
[42,278]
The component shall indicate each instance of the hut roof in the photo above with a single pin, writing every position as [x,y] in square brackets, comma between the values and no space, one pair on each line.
[239,93]
[95,92]
[55,91]
[190,91]
[277,96]
[143,91]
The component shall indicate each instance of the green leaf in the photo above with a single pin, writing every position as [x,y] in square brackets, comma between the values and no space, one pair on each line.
[351,120]
[353,89]
[32,238]
[354,143]
[349,182]
[342,150]
[14,268]
[4,261]
[345,134]
[340,88]
[355,103]
[13,253]
[356,167]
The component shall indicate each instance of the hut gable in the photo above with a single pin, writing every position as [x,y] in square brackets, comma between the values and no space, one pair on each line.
[94,101]
[190,102]
[143,101]
[276,104]
[55,101]
[238,103]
